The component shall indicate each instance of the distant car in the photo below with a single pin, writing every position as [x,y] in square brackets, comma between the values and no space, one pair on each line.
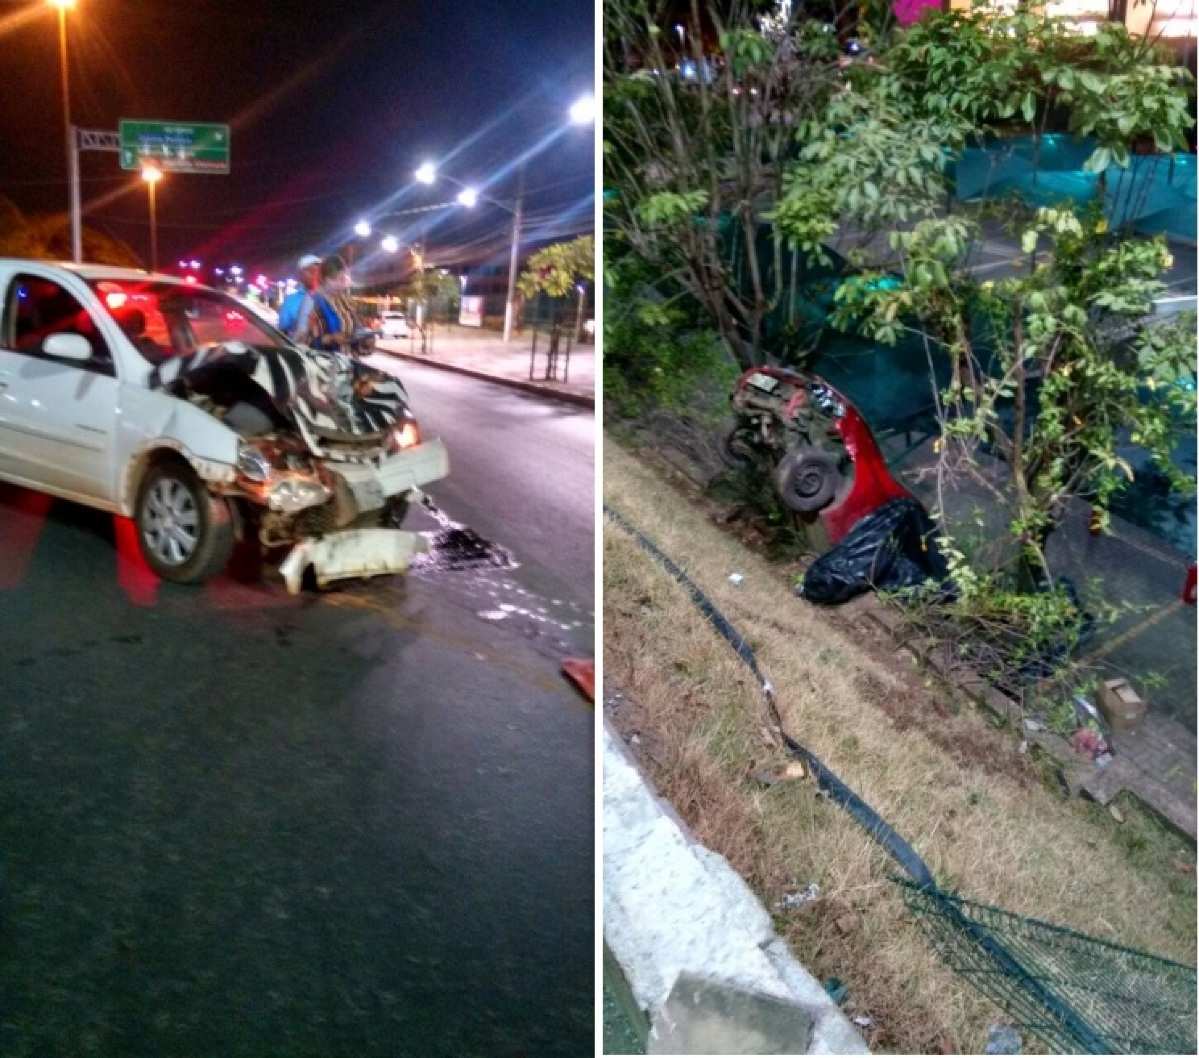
[177,406]
[394,325]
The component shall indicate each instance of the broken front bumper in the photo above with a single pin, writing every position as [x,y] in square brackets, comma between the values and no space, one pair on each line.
[351,553]
[373,484]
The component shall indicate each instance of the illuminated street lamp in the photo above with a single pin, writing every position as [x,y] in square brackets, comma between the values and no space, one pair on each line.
[582,110]
[468,197]
[427,173]
[151,174]
[390,244]
[363,229]
[63,6]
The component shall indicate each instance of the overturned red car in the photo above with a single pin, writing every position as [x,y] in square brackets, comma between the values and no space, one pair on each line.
[827,460]
[824,461]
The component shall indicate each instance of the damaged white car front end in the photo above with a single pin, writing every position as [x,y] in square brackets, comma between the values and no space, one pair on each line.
[327,466]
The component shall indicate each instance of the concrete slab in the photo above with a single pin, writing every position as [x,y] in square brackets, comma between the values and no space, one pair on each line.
[704,1016]
[673,907]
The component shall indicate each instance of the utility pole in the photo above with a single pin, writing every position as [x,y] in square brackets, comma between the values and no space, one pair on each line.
[73,210]
[517,217]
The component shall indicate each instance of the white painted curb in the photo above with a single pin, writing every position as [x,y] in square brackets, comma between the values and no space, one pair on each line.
[672,906]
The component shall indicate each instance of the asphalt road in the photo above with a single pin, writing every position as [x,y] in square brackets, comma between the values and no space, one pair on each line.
[351,823]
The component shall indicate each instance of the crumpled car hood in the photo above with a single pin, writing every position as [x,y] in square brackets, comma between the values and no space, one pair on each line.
[326,394]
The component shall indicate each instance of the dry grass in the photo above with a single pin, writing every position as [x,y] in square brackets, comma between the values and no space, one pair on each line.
[955,787]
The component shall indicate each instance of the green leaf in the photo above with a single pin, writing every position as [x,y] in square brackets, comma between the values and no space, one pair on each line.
[1029,106]
[1100,159]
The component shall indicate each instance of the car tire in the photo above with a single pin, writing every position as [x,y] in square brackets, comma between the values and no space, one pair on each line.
[185,533]
[737,450]
[807,479]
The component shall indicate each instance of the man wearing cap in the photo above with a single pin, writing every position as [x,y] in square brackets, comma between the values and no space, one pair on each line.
[297,307]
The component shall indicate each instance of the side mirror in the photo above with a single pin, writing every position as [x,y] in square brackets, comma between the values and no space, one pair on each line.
[68,347]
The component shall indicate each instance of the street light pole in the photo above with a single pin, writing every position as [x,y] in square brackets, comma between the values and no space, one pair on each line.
[517,218]
[69,131]
[152,174]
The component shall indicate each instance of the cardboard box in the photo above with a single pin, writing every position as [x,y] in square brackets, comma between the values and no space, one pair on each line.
[1120,704]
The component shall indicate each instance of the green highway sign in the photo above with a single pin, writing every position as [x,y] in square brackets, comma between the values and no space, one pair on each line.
[175,146]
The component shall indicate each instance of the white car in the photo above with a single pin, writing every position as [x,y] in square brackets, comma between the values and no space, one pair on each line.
[172,404]
[394,324]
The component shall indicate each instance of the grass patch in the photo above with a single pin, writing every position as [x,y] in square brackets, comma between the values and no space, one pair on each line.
[953,785]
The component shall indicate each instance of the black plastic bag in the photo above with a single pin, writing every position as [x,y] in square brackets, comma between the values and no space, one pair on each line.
[892,547]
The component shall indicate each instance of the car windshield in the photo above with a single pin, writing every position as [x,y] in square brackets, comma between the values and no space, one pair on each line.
[166,320]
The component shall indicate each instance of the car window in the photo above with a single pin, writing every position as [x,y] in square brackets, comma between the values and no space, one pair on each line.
[36,308]
[165,320]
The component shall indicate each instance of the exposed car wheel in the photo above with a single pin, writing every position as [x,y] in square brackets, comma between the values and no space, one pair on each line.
[186,534]
[737,448]
[807,479]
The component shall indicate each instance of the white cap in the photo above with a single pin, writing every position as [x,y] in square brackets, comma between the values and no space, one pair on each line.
[308,260]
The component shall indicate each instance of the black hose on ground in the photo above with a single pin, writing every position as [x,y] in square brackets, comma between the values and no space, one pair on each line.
[874,824]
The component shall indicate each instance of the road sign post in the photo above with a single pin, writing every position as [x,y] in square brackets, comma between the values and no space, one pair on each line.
[175,146]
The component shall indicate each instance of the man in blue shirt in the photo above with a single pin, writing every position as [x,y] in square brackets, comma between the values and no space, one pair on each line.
[297,307]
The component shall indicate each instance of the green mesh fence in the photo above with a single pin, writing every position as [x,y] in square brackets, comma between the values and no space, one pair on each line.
[1078,994]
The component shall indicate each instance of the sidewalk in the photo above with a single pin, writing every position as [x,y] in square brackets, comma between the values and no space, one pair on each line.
[484,354]
[1156,762]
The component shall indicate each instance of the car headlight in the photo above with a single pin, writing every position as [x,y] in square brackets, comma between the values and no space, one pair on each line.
[295,494]
[253,463]
[404,434]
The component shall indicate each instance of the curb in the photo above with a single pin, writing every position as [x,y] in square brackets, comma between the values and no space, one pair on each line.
[580,399]
[673,908]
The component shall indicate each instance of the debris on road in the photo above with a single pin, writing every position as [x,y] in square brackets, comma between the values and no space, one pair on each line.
[1088,741]
[736,578]
[800,898]
[837,990]
[789,772]
[581,672]
[1002,1039]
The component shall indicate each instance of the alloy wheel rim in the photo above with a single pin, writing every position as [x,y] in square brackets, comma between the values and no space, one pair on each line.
[171,522]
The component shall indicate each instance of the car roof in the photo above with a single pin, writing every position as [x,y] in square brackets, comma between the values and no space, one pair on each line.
[94,271]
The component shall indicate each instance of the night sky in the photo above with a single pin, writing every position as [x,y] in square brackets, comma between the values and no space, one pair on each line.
[333,105]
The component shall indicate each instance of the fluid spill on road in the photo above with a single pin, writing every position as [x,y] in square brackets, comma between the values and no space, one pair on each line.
[455,547]
[479,567]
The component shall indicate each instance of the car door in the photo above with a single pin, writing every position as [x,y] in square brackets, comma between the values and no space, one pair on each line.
[57,416]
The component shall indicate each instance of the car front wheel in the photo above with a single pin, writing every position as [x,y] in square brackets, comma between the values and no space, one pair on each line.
[186,534]
[807,479]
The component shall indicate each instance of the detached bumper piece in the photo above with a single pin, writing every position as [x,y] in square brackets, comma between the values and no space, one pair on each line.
[352,553]
[371,485]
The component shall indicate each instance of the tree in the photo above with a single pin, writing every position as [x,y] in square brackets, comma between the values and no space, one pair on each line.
[695,139]
[1048,369]
[559,271]
[48,238]
[556,270]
